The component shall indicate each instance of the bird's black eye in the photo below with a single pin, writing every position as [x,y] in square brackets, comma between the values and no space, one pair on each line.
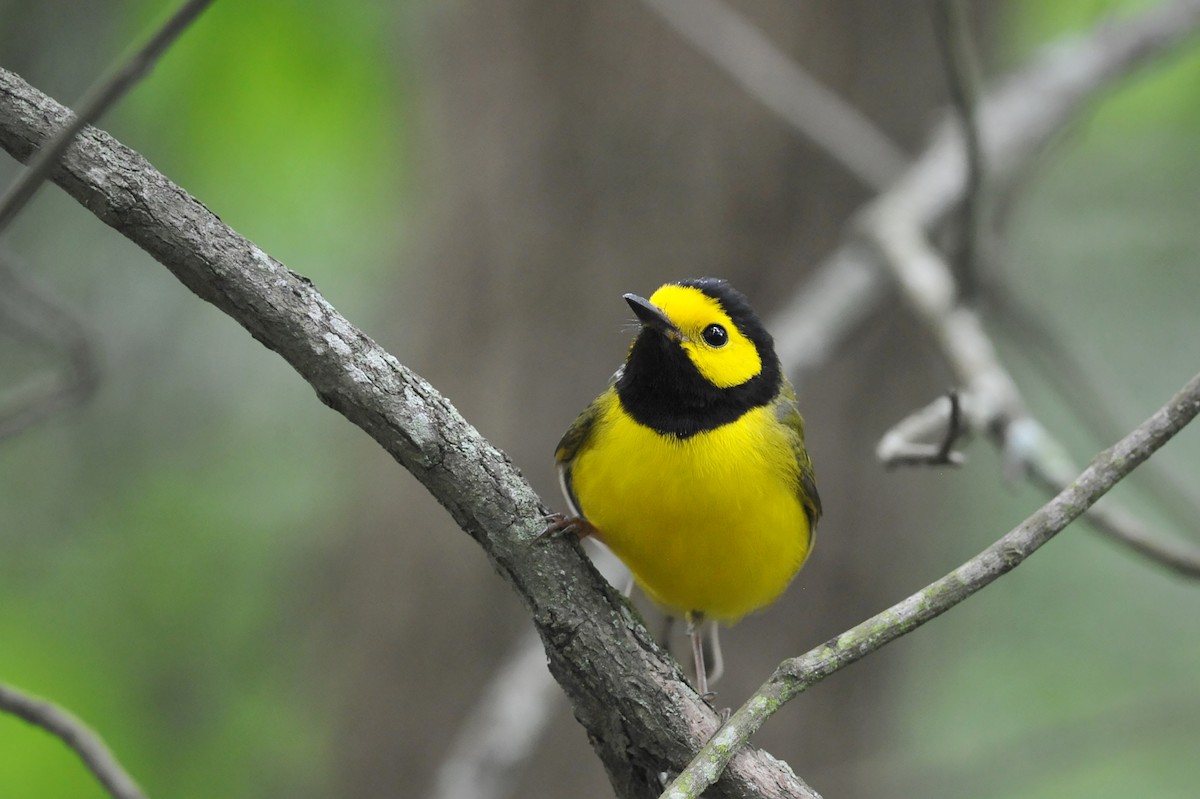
[715,336]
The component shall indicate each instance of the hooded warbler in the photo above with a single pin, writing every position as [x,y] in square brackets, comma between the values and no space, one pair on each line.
[691,465]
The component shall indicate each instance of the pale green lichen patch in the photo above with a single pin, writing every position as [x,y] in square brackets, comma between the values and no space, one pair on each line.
[725,740]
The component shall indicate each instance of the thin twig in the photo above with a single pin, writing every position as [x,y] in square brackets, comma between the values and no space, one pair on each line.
[503,728]
[774,79]
[1120,525]
[902,445]
[99,99]
[954,428]
[796,675]
[1093,404]
[516,706]
[1017,119]
[994,403]
[80,738]
[953,37]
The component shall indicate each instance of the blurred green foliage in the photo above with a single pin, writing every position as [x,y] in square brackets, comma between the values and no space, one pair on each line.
[1076,675]
[155,542]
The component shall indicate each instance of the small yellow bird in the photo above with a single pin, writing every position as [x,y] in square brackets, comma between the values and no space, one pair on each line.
[691,465]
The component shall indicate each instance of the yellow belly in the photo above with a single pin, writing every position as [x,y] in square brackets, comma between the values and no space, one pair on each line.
[711,523]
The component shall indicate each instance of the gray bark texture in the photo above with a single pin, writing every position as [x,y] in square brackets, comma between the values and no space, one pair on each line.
[640,716]
[570,154]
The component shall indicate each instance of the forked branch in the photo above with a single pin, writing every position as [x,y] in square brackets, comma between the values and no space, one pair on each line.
[797,675]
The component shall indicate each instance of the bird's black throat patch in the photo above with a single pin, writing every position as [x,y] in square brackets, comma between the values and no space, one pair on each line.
[662,389]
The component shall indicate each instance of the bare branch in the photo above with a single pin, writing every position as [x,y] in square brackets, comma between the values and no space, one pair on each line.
[772,78]
[503,728]
[92,106]
[1016,119]
[1095,406]
[76,735]
[834,301]
[1115,522]
[640,713]
[993,403]
[901,446]
[954,43]
[796,675]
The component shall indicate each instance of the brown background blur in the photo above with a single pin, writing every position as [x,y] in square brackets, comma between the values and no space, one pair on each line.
[248,588]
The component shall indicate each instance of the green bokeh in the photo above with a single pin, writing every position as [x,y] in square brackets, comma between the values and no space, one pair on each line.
[1076,675]
[153,558]
[158,540]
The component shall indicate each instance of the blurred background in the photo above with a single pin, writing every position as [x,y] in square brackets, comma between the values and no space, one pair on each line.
[246,597]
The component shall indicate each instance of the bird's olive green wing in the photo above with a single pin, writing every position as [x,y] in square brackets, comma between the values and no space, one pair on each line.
[788,413]
[573,441]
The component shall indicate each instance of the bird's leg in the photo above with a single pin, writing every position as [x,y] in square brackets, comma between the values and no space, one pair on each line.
[695,623]
[714,647]
[557,523]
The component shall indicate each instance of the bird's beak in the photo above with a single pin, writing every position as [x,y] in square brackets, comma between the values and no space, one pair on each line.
[652,316]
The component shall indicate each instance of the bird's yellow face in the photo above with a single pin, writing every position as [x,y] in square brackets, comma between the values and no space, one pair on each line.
[701,360]
[720,352]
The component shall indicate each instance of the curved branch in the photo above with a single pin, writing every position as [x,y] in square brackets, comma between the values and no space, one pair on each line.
[953,37]
[796,675]
[640,713]
[99,99]
[994,403]
[503,728]
[1016,120]
[76,735]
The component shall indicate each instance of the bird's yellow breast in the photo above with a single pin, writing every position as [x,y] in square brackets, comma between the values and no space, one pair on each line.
[709,523]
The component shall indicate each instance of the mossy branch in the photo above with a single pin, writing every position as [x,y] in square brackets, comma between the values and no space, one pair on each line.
[796,675]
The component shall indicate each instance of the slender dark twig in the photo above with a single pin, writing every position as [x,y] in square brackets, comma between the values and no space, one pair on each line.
[76,735]
[796,675]
[92,106]
[1019,116]
[770,76]
[953,36]
[954,428]
[1095,404]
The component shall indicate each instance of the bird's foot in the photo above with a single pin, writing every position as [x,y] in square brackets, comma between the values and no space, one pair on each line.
[560,523]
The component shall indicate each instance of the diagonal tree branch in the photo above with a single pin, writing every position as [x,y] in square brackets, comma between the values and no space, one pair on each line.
[641,718]
[953,37]
[1017,119]
[994,403]
[76,735]
[797,675]
[772,78]
[99,99]
[640,714]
